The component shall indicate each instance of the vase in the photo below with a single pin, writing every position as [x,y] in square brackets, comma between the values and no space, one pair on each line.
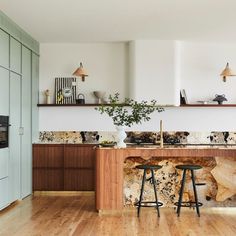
[121,135]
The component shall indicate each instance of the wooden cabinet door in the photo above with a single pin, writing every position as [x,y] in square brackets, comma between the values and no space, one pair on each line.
[67,167]
[79,156]
[79,163]
[48,167]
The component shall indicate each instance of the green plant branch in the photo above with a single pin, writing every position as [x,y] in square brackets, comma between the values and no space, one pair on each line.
[122,116]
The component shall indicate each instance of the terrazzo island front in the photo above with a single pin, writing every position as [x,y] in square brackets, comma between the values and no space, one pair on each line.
[118,181]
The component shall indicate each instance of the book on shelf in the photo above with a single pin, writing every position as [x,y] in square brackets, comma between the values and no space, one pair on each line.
[183,97]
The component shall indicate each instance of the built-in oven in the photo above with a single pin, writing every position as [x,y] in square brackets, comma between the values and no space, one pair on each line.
[4,129]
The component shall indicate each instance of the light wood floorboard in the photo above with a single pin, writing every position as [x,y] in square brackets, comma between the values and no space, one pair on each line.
[75,215]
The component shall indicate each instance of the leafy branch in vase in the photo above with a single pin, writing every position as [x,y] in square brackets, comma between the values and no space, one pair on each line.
[130,112]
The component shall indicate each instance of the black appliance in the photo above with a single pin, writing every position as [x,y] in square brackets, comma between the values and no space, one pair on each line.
[4,129]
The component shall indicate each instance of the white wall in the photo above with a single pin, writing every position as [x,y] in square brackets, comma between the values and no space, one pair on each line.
[153,72]
[197,66]
[174,119]
[201,65]
[106,64]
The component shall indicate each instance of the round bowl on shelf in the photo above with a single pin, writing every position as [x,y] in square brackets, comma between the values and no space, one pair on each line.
[107,144]
[99,95]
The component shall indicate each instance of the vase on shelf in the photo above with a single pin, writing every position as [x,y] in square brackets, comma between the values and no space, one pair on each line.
[121,135]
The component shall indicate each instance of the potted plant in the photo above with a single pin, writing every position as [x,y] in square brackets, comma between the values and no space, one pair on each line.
[128,113]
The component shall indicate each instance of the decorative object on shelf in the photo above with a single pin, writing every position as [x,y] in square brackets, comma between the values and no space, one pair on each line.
[183,97]
[80,99]
[48,98]
[219,98]
[204,102]
[106,143]
[80,72]
[99,95]
[65,90]
[227,72]
[128,113]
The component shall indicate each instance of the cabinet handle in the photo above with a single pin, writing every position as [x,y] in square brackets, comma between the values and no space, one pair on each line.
[21,131]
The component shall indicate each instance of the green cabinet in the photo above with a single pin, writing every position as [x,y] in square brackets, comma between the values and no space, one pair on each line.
[4,190]
[35,96]
[19,69]
[4,49]
[4,91]
[26,148]
[4,184]
[15,55]
[14,137]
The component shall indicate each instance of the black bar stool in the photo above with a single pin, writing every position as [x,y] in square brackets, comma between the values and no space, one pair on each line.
[155,203]
[195,203]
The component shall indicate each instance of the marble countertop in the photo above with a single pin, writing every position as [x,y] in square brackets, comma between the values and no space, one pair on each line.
[154,146]
[65,143]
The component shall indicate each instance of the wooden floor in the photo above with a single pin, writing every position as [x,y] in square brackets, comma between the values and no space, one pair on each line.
[75,215]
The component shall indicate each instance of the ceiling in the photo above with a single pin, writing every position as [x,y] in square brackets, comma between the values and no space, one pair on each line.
[58,21]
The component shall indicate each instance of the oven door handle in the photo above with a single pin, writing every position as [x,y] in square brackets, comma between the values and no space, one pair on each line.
[5,125]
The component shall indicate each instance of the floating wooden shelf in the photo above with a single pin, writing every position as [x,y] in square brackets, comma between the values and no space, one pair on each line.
[97,104]
[208,105]
[75,105]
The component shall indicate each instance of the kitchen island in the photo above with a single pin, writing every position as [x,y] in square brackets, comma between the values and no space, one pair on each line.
[111,173]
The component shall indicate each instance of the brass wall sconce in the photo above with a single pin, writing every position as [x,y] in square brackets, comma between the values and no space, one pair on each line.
[227,72]
[80,72]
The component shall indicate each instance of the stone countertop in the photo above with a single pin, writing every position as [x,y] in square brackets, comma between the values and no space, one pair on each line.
[65,143]
[178,146]
[155,146]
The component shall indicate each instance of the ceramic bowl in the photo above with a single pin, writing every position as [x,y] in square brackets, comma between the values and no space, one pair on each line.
[99,94]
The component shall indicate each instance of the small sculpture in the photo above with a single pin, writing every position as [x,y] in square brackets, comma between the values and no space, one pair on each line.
[220,98]
[47,94]
[99,95]
[59,97]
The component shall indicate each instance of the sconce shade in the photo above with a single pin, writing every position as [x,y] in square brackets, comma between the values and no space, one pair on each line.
[80,72]
[227,72]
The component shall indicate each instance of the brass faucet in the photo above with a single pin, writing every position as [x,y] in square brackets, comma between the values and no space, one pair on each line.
[161,134]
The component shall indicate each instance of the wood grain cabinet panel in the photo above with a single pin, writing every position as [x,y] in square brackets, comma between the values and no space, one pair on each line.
[79,179]
[79,156]
[48,170]
[79,164]
[69,167]
[48,156]
[45,179]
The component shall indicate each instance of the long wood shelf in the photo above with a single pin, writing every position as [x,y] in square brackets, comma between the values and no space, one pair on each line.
[68,105]
[87,105]
[208,105]
[98,104]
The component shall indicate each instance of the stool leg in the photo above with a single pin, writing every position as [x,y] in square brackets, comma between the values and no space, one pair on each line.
[155,192]
[181,192]
[195,192]
[141,193]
